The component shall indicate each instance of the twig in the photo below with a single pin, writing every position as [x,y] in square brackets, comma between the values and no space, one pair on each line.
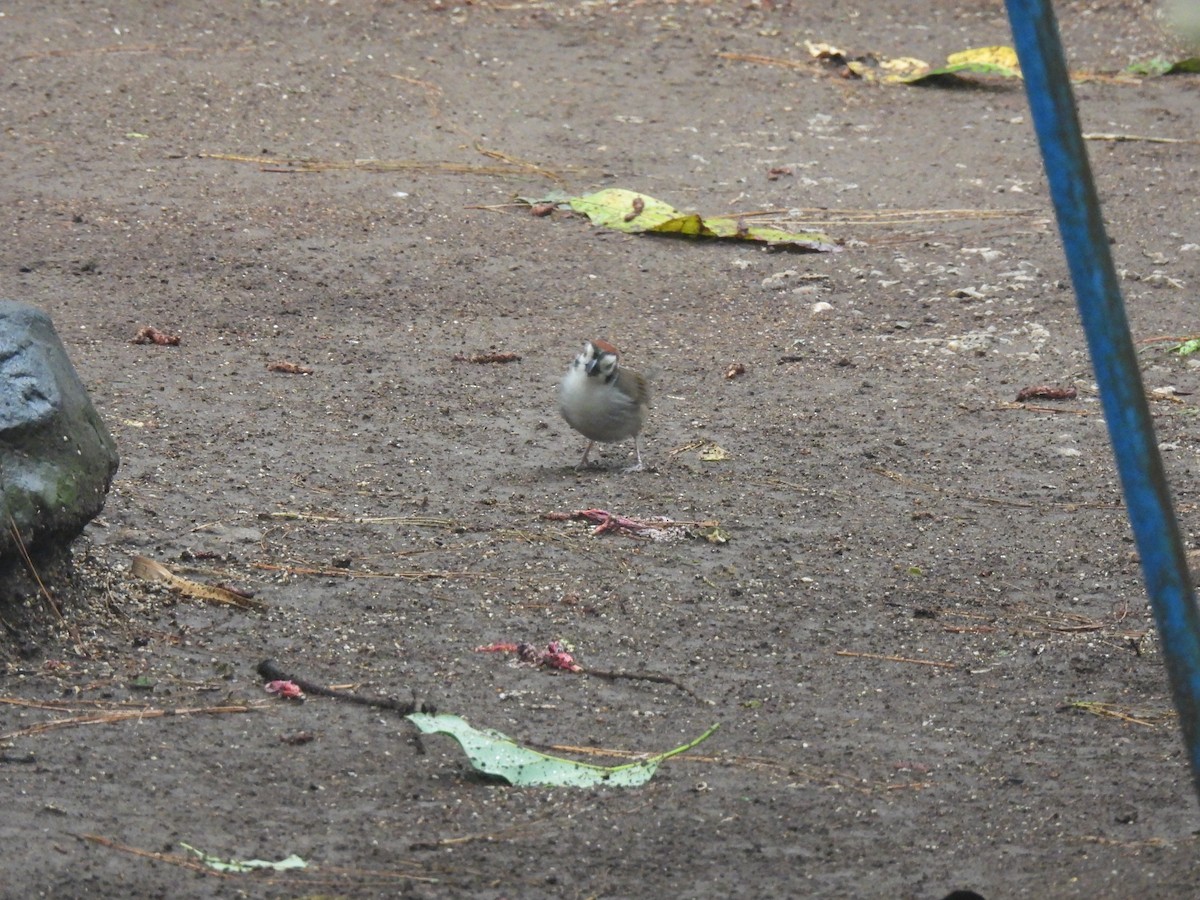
[270,671]
[170,858]
[1098,136]
[28,561]
[969,629]
[766,60]
[284,164]
[348,573]
[497,356]
[496,207]
[884,217]
[1167,339]
[490,837]
[1134,845]
[517,161]
[415,521]
[433,93]
[52,705]
[901,659]
[694,445]
[1031,407]
[314,875]
[107,718]
[1097,708]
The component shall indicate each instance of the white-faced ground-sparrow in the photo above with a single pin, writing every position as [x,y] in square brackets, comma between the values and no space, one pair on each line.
[602,401]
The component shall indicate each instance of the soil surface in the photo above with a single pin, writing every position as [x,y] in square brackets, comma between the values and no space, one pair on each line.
[925,638]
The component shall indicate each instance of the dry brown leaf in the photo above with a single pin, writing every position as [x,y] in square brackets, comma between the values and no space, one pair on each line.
[149,570]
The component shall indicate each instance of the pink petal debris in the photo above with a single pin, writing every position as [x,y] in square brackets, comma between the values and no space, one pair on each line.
[657,527]
[288,690]
[555,656]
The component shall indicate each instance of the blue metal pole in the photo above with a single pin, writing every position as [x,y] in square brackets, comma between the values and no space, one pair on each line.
[1164,565]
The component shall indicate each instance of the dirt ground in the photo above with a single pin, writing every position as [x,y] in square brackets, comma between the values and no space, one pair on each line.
[925,639]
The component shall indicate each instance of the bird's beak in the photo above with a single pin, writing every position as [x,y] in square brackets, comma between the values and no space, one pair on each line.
[590,368]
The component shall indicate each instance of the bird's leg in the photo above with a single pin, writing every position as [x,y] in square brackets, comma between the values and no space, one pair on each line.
[583,463]
[637,443]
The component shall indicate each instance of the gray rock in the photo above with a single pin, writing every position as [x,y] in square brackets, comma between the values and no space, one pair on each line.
[56,457]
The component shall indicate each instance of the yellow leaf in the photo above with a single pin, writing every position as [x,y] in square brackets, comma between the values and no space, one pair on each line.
[904,67]
[715,535]
[635,213]
[632,212]
[999,55]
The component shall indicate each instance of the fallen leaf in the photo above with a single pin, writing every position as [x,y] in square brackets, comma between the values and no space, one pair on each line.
[148,570]
[505,356]
[148,334]
[1159,66]
[1046,392]
[288,368]
[635,213]
[999,61]
[246,865]
[498,755]
[714,453]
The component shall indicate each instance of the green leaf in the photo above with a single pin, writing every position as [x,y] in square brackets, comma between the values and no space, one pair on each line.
[1158,65]
[635,213]
[1187,347]
[246,865]
[999,61]
[498,755]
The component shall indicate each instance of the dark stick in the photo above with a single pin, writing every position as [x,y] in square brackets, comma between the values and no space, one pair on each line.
[270,671]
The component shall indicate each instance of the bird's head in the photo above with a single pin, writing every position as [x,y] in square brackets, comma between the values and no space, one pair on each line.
[600,359]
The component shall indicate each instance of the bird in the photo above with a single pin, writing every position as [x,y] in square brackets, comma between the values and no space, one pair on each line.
[602,401]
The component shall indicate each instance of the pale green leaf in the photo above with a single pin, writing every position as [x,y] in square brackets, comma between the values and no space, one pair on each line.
[498,755]
[246,865]
[715,535]
[1162,66]
[712,452]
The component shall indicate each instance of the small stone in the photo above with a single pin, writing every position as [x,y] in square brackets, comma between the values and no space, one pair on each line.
[966,293]
[779,280]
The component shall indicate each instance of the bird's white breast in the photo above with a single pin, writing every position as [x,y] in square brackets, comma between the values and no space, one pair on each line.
[598,410]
